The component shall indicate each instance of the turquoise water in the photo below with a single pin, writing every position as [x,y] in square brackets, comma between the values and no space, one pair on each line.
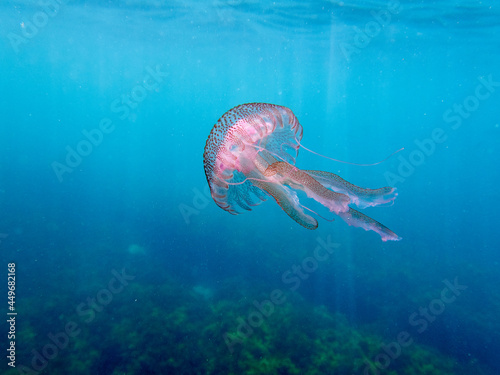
[125,265]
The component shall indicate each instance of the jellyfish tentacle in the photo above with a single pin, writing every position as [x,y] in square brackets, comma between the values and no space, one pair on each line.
[359,196]
[289,202]
[360,220]
[296,178]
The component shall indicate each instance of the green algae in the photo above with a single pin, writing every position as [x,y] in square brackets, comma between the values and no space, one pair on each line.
[149,329]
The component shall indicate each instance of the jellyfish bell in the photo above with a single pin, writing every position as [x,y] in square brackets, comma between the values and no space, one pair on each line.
[250,155]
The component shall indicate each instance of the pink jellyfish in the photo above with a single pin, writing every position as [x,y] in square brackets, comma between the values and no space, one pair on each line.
[250,154]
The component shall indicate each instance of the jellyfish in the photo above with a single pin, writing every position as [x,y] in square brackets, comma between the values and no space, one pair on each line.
[250,155]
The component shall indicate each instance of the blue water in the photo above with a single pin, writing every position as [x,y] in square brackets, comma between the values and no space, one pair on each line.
[105,111]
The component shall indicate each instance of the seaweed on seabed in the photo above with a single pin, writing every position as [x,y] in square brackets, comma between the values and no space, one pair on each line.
[165,329]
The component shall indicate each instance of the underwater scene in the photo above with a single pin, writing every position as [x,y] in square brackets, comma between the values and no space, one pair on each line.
[250,187]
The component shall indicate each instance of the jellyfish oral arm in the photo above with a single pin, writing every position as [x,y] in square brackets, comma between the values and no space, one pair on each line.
[289,202]
[298,179]
[337,202]
[359,196]
[360,220]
